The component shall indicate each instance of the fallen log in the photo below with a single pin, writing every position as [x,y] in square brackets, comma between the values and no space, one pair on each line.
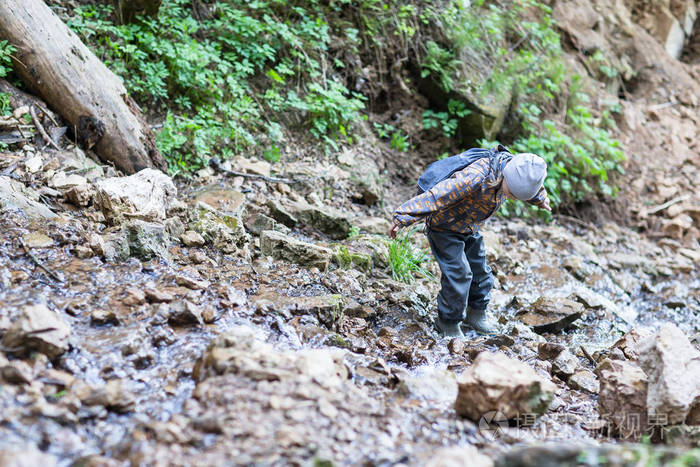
[54,64]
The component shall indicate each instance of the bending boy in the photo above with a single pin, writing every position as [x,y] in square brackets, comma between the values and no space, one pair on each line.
[453,211]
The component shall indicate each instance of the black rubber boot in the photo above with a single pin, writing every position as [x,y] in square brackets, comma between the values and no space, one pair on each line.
[448,329]
[478,320]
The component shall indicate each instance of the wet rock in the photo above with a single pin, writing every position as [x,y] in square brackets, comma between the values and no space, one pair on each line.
[518,329]
[496,382]
[327,308]
[257,223]
[347,259]
[223,230]
[40,329]
[58,378]
[101,317]
[111,246]
[549,350]
[672,365]
[570,453]
[14,196]
[185,313]
[629,343]
[26,457]
[333,222]
[501,340]
[372,245]
[134,296]
[429,383]
[145,195]
[373,225]
[456,346]
[240,352]
[80,195]
[191,283]
[622,399]
[459,456]
[97,461]
[280,246]
[576,266]
[564,364]
[550,314]
[281,214]
[16,372]
[584,380]
[37,240]
[63,181]
[34,163]
[223,200]
[174,227]
[154,295]
[162,336]
[252,166]
[192,238]
[114,395]
[147,240]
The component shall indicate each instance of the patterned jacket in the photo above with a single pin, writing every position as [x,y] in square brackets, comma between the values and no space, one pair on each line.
[462,202]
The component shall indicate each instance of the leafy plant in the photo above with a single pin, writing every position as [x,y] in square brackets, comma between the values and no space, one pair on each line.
[207,75]
[6,51]
[405,259]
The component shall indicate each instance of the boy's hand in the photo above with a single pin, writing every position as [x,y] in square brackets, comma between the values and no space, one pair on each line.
[394,230]
[545,204]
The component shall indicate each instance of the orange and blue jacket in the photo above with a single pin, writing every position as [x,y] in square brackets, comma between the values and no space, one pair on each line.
[462,202]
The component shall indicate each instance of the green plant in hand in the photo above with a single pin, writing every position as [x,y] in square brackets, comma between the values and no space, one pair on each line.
[405,259]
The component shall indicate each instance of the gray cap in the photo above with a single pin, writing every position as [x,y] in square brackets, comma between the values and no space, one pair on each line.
[524,175]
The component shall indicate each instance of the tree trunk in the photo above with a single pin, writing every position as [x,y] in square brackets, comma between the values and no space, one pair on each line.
[127,10]
[53,62]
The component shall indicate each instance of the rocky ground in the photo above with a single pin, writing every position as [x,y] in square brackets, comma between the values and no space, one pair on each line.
[247,316]
[243,320]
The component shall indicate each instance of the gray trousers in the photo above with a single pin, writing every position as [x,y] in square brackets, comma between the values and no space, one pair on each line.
[466,278]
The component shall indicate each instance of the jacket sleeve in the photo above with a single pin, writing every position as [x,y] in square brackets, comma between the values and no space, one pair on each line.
[442,195]
[539,198]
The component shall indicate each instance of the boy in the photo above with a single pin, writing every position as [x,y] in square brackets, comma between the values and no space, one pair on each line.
[453,211]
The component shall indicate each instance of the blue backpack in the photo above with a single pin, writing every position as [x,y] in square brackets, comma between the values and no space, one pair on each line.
[445,168]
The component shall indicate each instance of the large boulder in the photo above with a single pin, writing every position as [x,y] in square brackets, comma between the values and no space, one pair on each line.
[145,195]
[281,246]
[672,366]
[496,382]
[622,399]
[39,329]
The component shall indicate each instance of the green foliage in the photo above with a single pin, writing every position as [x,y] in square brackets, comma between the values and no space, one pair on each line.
[516,41]
[578,165]
[224,81]
[399,140]
[272,154]
[405,259]
[6,51]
